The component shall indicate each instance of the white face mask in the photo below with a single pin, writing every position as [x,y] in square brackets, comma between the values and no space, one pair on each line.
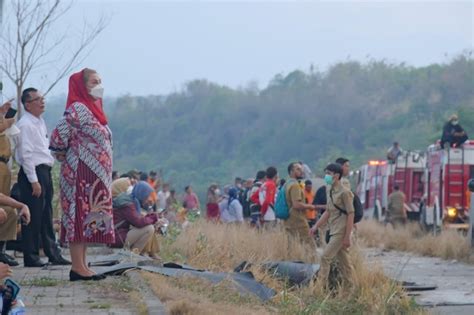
[455,122]
[97,91]
[217,192]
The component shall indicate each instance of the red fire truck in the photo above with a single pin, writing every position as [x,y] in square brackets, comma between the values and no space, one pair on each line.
[434,182]
[448,198]
[375,182]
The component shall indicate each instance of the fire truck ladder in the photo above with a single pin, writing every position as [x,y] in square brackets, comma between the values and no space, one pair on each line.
[451,171]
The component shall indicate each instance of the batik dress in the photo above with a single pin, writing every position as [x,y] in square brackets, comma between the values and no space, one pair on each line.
[86,176]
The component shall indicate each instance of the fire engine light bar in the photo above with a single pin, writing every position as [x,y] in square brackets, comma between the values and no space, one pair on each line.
[375,163]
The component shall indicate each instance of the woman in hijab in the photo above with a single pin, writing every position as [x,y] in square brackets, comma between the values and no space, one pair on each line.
[132,229]
[82,142]
[234,211]
[120,185]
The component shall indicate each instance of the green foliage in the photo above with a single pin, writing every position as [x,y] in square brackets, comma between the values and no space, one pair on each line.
[211,133]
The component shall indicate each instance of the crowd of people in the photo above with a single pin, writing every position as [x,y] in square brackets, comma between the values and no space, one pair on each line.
[142,204]
[253,201]
[131,210]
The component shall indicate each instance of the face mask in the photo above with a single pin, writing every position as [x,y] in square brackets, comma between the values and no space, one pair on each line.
[97,91]
[328,179]
[455,122]
[217,191]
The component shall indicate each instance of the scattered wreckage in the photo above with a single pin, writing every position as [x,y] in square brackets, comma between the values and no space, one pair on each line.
[295,273]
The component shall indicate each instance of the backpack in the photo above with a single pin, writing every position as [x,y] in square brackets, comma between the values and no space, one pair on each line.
[254,203]
[282,211]
[357,204]
[254,198]
[358,209]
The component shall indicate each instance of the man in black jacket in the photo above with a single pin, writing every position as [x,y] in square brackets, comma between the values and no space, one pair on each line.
[453,133]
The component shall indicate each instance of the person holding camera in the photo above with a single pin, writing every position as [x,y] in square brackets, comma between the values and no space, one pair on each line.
[132,229]
[8,215]
[8,224]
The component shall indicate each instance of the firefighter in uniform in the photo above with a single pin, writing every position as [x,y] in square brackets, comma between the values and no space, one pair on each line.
[397,214]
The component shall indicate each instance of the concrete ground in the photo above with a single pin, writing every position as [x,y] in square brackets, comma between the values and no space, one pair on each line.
[48,291]
[455,280]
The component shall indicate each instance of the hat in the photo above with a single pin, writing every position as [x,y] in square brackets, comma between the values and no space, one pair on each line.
[453,117]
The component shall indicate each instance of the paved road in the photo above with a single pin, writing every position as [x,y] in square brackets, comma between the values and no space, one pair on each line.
[49,292]
[455,280]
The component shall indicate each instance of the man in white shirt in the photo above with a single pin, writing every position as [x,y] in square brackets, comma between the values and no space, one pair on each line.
[163,195]
[35,182]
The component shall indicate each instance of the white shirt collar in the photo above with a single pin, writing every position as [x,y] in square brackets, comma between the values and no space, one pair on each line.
[32,117]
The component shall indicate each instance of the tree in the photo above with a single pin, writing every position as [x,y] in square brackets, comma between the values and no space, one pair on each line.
[27,44]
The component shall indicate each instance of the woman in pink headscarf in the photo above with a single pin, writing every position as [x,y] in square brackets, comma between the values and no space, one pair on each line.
[82,142]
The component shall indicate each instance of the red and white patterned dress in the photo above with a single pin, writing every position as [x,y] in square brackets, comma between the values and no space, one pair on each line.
[86,176]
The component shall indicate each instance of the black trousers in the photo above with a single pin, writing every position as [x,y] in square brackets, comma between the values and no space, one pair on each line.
[454,141]
[41,224]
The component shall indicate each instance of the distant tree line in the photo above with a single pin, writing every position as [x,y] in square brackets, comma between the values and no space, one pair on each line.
[209,132]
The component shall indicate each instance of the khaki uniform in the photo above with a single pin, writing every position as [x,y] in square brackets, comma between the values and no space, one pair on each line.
[7,229]
[346,183]
[139,238]
[297,224]
[343,198]
[396,208]
[153,246]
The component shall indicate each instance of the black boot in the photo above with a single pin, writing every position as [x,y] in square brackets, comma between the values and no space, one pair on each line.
[4,257]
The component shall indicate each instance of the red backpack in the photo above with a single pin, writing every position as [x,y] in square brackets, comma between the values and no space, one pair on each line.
[254,198]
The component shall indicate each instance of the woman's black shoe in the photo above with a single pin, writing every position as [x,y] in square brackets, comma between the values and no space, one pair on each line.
[74,276]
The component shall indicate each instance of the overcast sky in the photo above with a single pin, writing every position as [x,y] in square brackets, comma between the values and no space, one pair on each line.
[154,47]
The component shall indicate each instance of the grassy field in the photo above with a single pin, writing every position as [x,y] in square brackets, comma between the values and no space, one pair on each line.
[219,247]
[449,244]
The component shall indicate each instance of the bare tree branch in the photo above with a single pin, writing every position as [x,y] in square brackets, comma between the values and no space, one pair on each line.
[38,29]
[28,46]
[79,55]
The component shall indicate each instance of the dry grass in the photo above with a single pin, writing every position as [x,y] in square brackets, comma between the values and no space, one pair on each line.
[447,245]
[221,248]
[200,297]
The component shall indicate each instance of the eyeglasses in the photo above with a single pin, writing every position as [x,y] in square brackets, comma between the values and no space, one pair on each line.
[39,98]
